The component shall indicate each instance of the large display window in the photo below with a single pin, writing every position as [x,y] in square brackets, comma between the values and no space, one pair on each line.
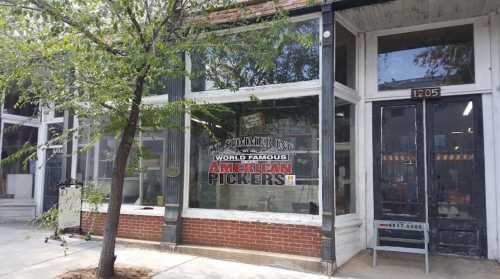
[17,179]
[145,171]
[257,156]
[297,59]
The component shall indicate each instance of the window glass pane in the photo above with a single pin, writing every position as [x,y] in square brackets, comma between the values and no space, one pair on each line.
[345,56]
[107,152]
[153,167]
[85,164]
[58,113]
[145,171]
[54,132]
[13,106]
[18,176]
[454,144]
[158,85]
[436,57]
[399,169]
[53,176]
[85,154]
[257,156]
[296,62]
[345,182]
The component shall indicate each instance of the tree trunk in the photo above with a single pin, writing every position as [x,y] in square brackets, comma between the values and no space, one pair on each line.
[105,269]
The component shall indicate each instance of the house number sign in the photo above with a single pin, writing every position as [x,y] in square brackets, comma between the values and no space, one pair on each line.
[425,93]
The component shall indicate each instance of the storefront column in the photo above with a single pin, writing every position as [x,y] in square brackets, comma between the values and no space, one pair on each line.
[495,22]
[67,148]
[174,167]
[328,140]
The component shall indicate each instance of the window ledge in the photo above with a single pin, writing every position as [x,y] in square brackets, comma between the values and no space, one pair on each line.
[272,91]
[342,222]
[129,209]
[253,216]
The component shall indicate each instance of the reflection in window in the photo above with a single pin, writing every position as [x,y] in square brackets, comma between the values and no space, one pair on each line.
[257,156]
[399,183]
[345,183]
[158,85]
[54,133]
[13,105]
[18,173]
[144,176]
[53,176]
[153,167]
[345,56]
[436,57]
[454,146]
[296,61]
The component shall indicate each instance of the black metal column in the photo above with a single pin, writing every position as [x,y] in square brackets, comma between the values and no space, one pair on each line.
[69,119]
[68,147]
[328,140]
[174,182]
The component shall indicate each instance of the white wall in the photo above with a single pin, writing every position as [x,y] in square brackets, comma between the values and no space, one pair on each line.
[495,28]
[348,241]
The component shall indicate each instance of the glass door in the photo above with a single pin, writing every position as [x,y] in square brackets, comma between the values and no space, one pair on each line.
[399,187]
[451,129]
[456,176]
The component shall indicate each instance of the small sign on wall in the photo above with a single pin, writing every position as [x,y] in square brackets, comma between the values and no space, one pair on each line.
[425,93]
[70,207]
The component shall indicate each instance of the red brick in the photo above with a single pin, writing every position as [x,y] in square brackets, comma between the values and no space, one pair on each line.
[130,226]
[280,238]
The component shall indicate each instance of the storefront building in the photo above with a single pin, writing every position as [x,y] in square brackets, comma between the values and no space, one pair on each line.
[307,168]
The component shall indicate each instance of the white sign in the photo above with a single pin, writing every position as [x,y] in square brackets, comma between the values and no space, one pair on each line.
[290,180]
[70,207]
[253,120]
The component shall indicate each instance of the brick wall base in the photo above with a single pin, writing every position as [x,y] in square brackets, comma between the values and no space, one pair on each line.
[278,238]
[130,226]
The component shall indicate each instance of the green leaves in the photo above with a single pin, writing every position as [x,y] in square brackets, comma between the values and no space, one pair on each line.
[87,56]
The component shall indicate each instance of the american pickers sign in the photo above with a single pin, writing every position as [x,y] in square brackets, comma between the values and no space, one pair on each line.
[252,160]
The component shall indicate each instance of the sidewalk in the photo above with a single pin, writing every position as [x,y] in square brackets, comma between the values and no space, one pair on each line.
[23,254]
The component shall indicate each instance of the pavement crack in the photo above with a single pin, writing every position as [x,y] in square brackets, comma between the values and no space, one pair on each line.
[175,266]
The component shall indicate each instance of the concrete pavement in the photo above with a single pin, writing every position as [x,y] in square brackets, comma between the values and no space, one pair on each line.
[411,266]
[23,254]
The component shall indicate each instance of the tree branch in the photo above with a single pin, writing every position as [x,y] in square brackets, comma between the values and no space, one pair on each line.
[138,28]
[171,10]
[9,4]
[44,6]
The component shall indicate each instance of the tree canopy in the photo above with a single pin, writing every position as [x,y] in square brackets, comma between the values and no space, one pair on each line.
[99,59]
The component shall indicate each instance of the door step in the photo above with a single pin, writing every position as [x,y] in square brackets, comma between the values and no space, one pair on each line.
[286,261]
[14,211]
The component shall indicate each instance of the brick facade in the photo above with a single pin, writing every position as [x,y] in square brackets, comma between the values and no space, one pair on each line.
[279,238]
[130,226]
[255,8]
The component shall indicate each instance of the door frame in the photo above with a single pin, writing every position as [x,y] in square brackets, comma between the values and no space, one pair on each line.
[480,166]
